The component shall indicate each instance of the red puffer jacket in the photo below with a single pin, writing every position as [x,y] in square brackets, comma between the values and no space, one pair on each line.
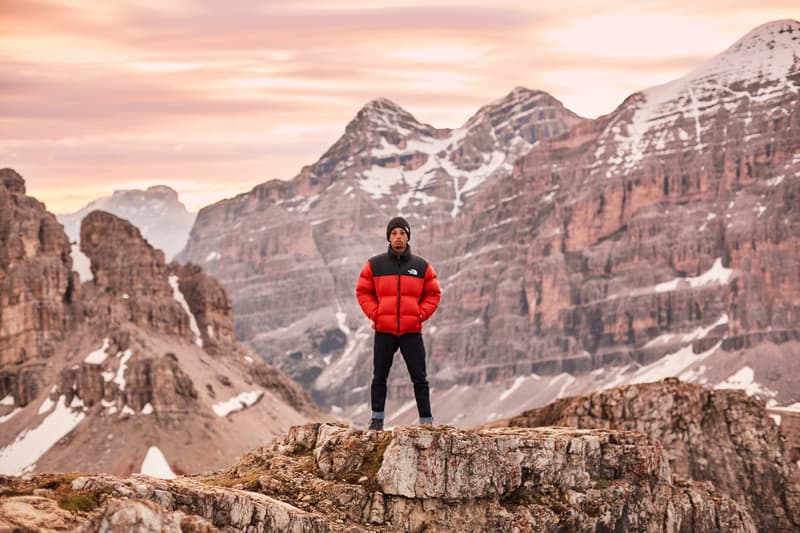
[398,292]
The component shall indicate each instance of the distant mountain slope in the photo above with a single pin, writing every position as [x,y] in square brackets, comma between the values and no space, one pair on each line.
[156,211]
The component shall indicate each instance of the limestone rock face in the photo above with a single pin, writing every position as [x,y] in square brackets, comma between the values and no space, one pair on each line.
[669,226]
[723,436]
[209,303]
[130,272]
[122,260]
[37,287]
[159,382]
[323,477]
[290,252]
[144,517]
[664,225]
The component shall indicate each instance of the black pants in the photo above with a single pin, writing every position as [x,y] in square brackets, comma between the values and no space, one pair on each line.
[413,350]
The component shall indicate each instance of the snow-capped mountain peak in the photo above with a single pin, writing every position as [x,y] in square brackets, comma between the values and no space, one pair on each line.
[783,33]
[410,161]
[762,66]
[381,115]
[767,53]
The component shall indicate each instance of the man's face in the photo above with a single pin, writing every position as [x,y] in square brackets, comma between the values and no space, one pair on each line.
[398,239]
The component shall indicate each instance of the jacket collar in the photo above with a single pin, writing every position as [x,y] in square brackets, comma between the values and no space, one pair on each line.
[400,257]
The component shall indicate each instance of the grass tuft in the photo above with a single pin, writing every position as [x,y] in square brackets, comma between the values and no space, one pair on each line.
[78,502]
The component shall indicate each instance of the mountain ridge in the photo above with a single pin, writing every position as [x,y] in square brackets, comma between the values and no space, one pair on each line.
[604,248]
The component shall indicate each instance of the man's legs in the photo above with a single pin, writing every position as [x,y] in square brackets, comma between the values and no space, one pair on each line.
[413,350]
[382,354]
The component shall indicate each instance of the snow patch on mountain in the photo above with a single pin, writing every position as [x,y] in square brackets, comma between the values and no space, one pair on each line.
[744,379]
[155,464]
[98,356]
[8,416]
[237,403]
[119,378]
[21,455]
[178,295]
[717,273]
[765,54]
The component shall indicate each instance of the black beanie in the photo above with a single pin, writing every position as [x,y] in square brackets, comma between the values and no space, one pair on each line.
[398,222]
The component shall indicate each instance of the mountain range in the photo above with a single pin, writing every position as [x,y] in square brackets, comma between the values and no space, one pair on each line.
[586,264]
[134,370]
[574,254]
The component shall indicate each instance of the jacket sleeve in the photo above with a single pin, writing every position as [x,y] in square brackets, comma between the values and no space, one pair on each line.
[365,292]
[431,294]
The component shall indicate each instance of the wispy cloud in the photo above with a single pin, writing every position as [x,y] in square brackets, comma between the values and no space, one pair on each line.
[96,94]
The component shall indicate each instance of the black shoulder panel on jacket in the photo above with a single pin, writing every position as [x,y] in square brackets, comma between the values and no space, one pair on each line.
[386,265]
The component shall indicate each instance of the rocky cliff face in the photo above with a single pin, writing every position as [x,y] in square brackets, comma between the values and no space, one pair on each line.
[324,477]
[145,375]
[37,286]
[128,271]
[722,436]
[290,252]
[667,223]
[664,231]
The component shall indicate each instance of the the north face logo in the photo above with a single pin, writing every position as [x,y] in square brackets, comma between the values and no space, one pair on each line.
[412,271]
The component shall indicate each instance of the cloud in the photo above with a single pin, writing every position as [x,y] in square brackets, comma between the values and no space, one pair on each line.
[96,91]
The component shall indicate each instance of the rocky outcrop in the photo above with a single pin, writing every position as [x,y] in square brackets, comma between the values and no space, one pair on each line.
[325,477]
[22,382]
[209,303]
[159,382]
[36,513]
[37,286]
[144,517]
[721,436]
[145,364]
[123,262]
[131,280]
[504,479]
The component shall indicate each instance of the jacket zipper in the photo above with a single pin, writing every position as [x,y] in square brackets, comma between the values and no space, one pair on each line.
[398,295]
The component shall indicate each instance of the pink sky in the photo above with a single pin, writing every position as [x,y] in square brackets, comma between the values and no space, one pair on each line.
[105,95]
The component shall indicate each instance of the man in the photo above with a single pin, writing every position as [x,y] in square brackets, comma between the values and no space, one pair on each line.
[398,291]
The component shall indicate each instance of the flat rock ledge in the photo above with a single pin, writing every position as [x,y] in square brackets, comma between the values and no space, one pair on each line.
[330,477]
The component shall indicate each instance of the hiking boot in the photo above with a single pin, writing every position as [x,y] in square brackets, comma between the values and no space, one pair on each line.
[376,424]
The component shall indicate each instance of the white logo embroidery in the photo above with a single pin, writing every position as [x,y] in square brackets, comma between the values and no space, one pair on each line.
[412,271]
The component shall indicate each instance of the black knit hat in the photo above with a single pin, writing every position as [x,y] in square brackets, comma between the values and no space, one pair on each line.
[398,222]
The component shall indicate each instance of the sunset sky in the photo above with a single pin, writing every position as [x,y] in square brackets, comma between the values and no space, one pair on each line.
[213,97]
